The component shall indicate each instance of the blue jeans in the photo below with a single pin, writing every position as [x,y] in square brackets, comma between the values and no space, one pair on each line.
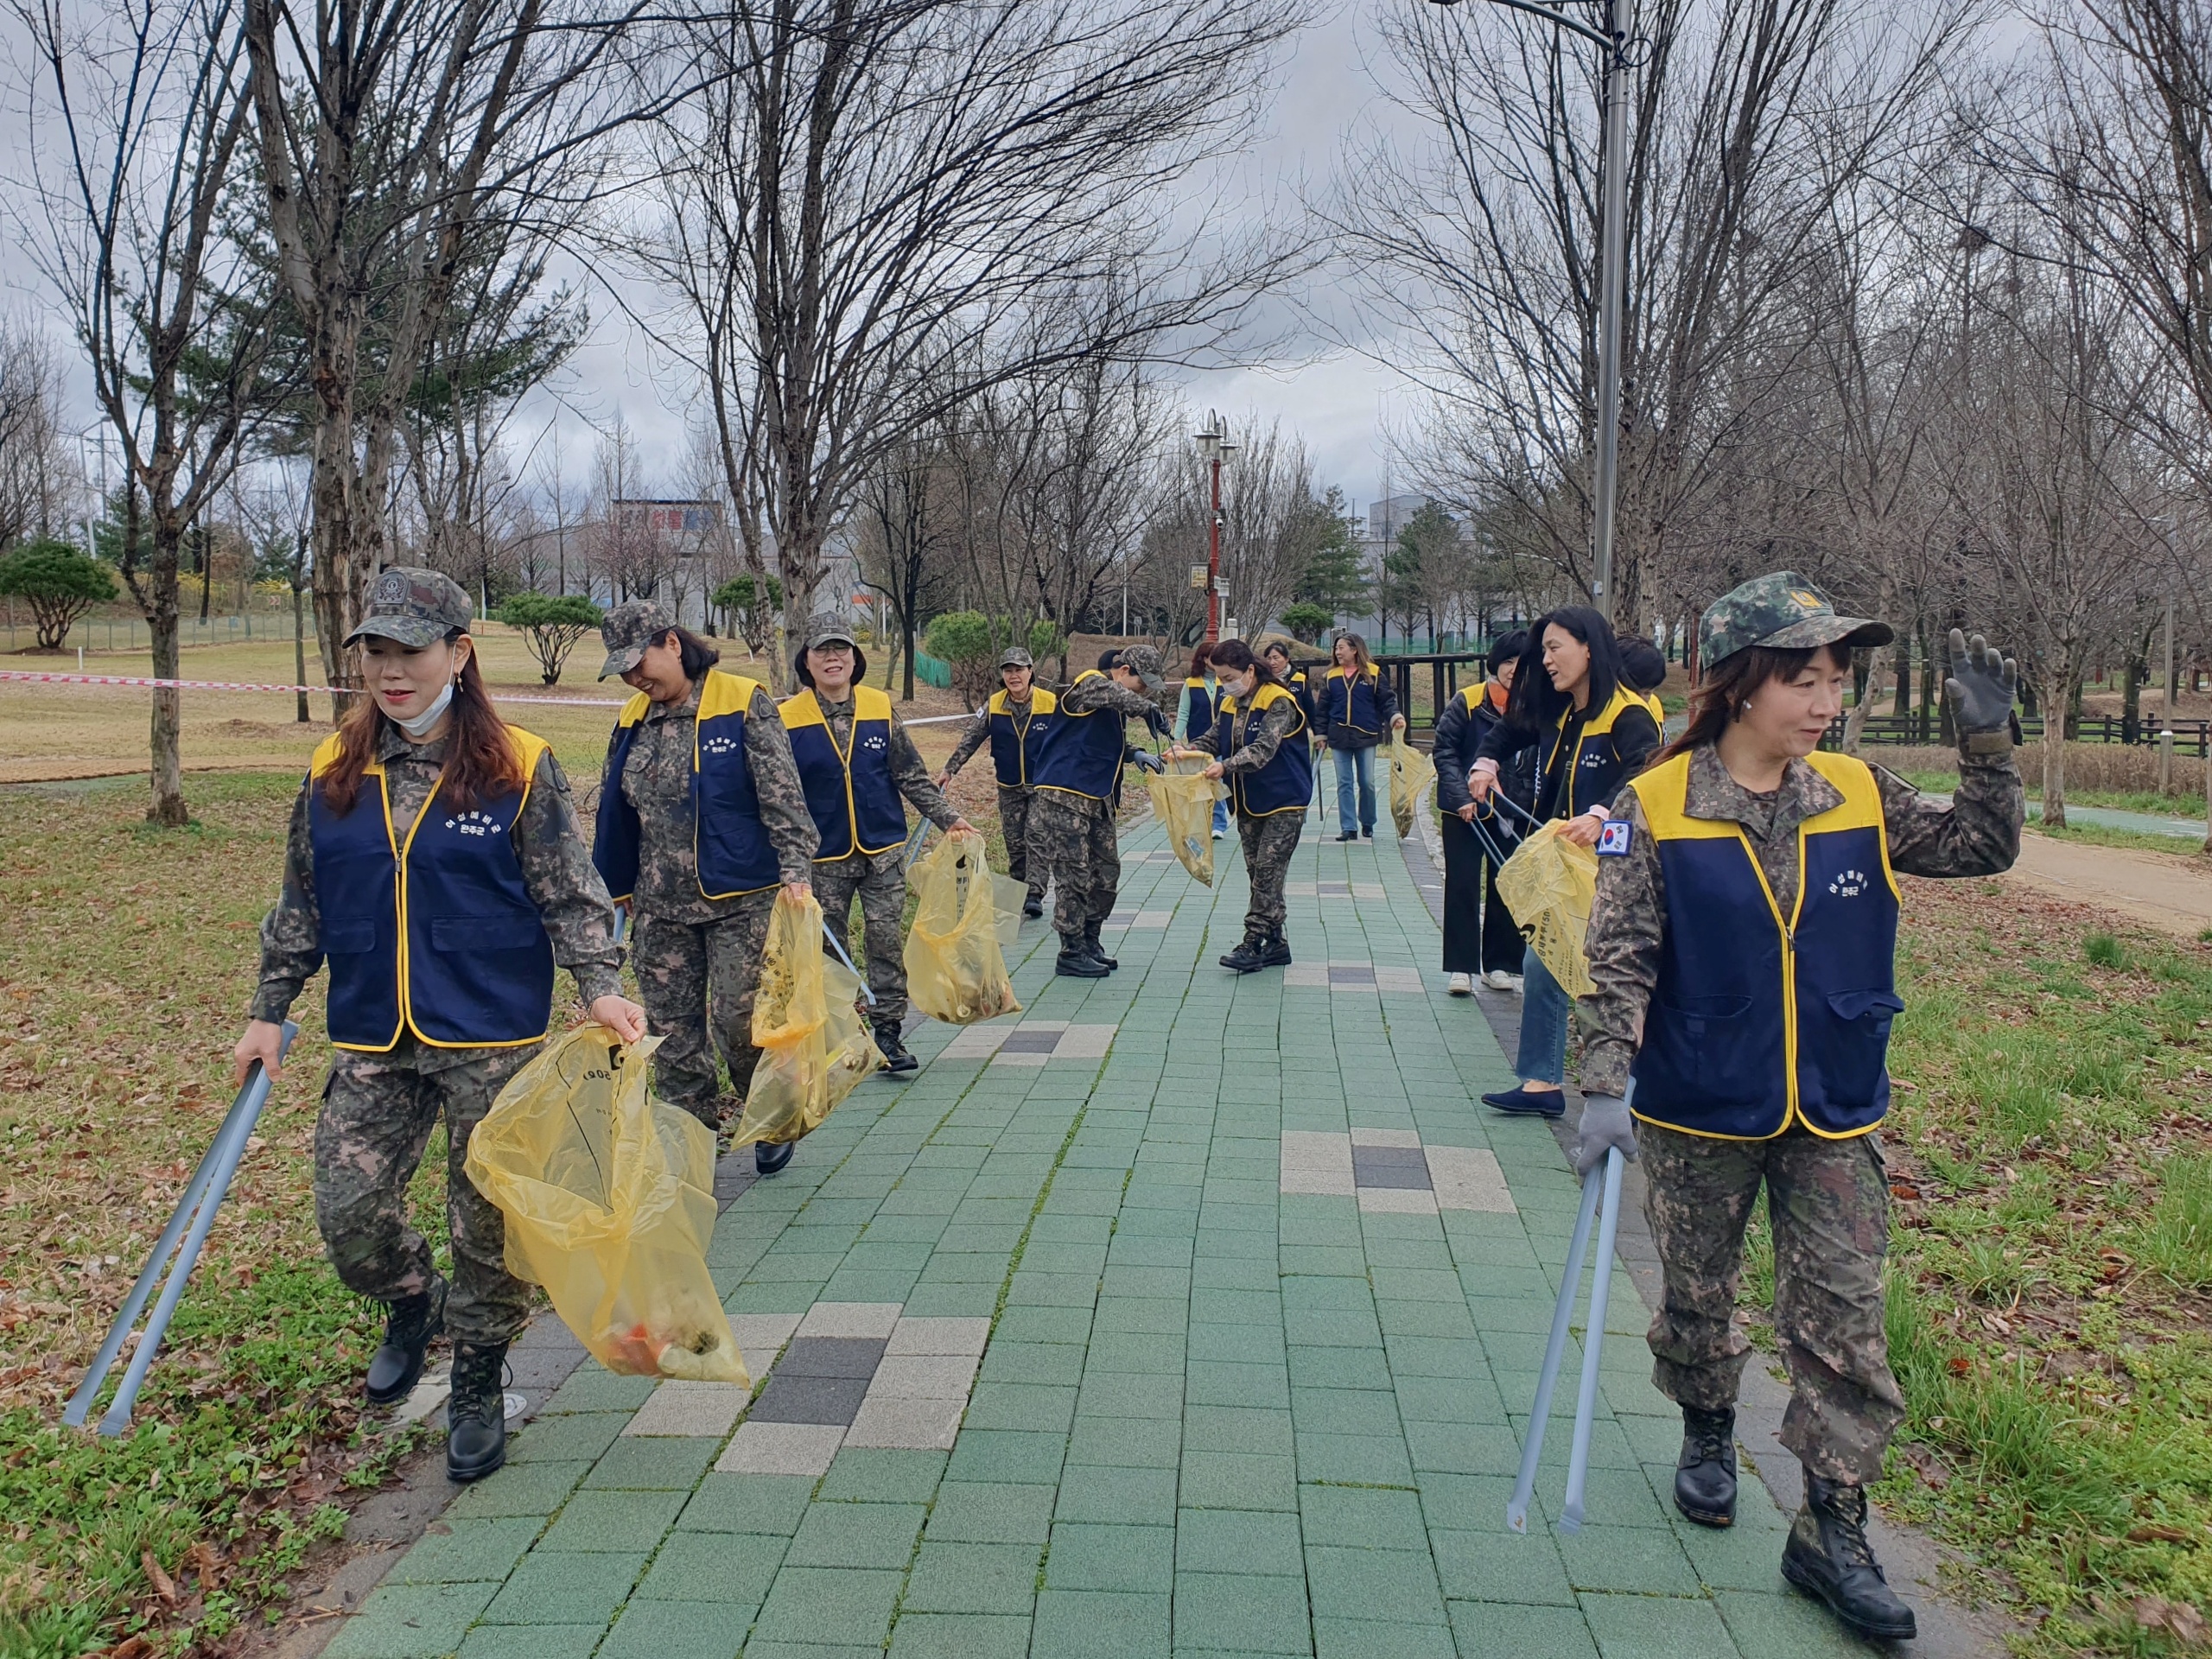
[1544,1012]
[1221,817]
[1355,764]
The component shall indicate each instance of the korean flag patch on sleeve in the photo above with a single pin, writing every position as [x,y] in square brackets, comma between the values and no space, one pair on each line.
[1613,838]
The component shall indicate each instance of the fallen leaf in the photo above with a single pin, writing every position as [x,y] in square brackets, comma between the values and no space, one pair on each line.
[204,1563]
[164,1586]
[2177,1618]
[2161,1534]
[1903,1189]
[1961,1365]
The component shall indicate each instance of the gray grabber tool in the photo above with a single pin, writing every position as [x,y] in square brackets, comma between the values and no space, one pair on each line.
[174,1253]
[1605,1178]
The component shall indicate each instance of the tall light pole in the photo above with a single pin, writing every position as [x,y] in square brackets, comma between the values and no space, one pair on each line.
[1612,38]
[1215,447]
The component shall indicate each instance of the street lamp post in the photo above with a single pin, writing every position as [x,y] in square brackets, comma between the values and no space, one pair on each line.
[1612,38]
[1215,447]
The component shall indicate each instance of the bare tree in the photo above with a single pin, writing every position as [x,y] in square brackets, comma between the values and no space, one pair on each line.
[38,478]
[149,102]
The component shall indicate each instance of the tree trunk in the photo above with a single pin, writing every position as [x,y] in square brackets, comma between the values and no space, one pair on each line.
[1903,704]
[2054,767]
[2130,695]
[906,632]
[300,653]
[168,808]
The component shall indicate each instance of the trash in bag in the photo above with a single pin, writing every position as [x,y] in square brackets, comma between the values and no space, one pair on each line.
[815,1047]
[1008,897]
[609,1200]
[1183,798]
[1548,885]
[1411,772]
[956,971]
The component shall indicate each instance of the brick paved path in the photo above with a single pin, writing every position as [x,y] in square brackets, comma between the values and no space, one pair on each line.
[1187,1313]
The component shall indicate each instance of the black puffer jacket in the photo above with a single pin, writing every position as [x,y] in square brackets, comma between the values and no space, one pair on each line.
[1460,729]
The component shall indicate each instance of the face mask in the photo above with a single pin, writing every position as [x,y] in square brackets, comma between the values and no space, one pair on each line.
[429,717]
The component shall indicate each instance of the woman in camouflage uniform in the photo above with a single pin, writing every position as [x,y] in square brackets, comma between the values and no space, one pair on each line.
[701,817]
[1259,740]
[435,863]
[1742,945]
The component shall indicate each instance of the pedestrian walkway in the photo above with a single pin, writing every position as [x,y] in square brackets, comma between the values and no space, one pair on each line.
[1182,1314]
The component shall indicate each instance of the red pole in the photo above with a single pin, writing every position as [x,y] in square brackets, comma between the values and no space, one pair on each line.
[1213,560]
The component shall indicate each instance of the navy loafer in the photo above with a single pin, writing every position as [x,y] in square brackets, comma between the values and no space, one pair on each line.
[1525,1103]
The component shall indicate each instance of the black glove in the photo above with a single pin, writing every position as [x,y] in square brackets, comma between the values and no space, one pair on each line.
[1982,686]
[1158,722]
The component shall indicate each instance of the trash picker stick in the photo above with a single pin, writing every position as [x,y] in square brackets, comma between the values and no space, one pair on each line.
[916,839]
[837,945]
[195,1214]
[1570,1285]
[1593,1342]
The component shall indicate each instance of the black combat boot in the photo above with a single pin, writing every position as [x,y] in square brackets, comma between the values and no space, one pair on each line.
[767,1160]
[410,1323]
[1250,956]
[476,1416]
[1276,952]
[1075,960]
[896,1060]
[1705,1475]
[1032,906]
[1828,1557]
[1097,950]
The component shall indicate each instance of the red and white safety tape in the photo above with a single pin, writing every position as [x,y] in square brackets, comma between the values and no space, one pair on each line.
[26,676]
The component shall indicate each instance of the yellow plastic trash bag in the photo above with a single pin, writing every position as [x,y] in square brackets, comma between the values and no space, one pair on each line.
[1411,772]
[815,1047]
[1183,798]
[1008,897]
[609,1200]
[1548,884]
[956,971]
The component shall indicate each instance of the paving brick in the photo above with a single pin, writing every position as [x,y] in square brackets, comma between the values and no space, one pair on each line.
[672,1629]
[891,1421]
[1390,1586]
[411,1621]
[1243,1612]
[1340,1638]
[1088,1556]
[520,1489]
[617,1523]
[781,1449]
[762,1504]
[732,1569]
[1239,1480]
[567,1438]
[828,1605]
[1013,1455]
[1656,1627]
[959,1635]
[1350,1517]
[655,1464]
[1099,1624]
[689,1409]
[961,1578]
[1117,1494]
[566,1587]
[857,1535]
[1238,1540]
[466,1552]
[531,1641]
[883,1477]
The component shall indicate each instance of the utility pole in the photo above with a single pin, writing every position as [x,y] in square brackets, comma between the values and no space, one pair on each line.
[1214,448]
[2166,708]
[1612,39]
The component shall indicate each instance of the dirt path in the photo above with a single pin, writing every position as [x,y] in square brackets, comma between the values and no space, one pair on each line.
[2153,889]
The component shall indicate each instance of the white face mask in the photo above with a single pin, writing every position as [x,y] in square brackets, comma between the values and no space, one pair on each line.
[421,723]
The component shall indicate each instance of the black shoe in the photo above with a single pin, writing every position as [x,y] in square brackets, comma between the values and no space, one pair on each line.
[1274,951]
[1075,960]
[410,1323]
[1247,958]
[769,1159]
[476,1416]
[1367,832]
[1828,1557]
[1526,1103]
[1347,835]
[896,1060]
[1032,908]
[1097,950]
[1705,1474]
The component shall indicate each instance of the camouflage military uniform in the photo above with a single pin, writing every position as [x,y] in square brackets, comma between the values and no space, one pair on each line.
[1075,834]
[698,959]
[1828,1199]
[1270,839]
[378,1109]
[879,879]
[1014,801]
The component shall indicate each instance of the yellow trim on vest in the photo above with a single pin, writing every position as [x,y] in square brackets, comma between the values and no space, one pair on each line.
[1663,794]
[633,711]
[869,704]
[1078,713]
[1265,699]
[1041,703]
[722,694]
[1598,725]
[530,748]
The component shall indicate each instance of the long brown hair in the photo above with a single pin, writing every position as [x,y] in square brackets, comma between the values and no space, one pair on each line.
[1361,661]
[481,761]
[1721,693]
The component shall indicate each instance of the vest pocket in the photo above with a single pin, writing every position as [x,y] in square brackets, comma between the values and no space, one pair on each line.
[1845,1045]
[1701,1044]
[461,934]
[348,936]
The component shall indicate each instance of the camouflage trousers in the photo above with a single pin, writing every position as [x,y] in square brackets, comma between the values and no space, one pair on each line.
[1075,836]
[1269,841]
[696,981]
[879,879]
[1828,1202]
[378,1113]
[1014,819]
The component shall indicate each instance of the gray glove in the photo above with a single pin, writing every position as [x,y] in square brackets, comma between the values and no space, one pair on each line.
[1145,760]
[1605,1125]
[1982,686]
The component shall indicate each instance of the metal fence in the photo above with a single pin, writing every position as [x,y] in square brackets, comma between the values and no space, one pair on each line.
[131,633]
[2190,736]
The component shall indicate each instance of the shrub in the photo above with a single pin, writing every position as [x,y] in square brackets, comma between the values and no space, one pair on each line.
[967,641]
[1046,638]
[1307,620]
[550,625]
[60,583]
[2104,951]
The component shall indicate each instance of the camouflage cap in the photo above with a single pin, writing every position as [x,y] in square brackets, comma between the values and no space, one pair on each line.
[627,630]
[1780,610]
[1015,656]
[1143,662]
[415,606]
[829,631]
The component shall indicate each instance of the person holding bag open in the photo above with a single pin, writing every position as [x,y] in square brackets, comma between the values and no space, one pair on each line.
[1743,945]
[435,863]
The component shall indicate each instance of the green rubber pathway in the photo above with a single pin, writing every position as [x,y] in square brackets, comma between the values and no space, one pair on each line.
[1259,1292]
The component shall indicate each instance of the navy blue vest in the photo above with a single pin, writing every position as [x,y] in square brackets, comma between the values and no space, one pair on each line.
[1286,783]
[728,843]
[1761,1017]
[852,796]
[1591,771]
[1199,720]
[439,937]
[1083,752]
[1018,735]
[1351,701]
